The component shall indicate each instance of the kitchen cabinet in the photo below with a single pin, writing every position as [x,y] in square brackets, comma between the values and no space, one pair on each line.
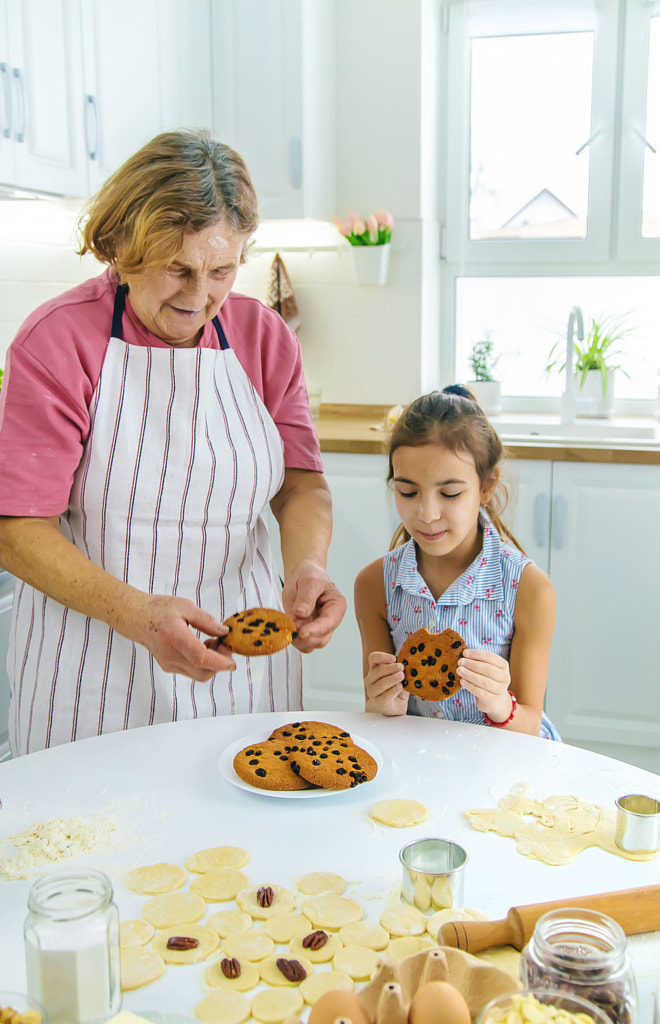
[272,95]
[6,603]
[593,527]
[41,78]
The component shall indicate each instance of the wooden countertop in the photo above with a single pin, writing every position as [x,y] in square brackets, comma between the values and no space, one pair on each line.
[354,429]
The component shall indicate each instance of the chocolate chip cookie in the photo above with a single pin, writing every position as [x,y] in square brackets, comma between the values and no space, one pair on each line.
[259,631]
[429,661]
[333,763]
[268,765]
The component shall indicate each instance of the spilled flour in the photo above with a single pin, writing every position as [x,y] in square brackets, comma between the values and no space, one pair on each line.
[47,843]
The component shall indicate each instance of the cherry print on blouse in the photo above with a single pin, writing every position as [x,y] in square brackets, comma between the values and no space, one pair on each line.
[484,561]
[507,554]
[425,590]
[490,591]
[417,611]
[477,607]
[499,613]
[469,580]
[462,622]
[514,583]
[396,618]
[487,640]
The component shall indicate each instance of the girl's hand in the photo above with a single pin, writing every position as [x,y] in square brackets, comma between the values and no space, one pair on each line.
[487,677]
[384,693]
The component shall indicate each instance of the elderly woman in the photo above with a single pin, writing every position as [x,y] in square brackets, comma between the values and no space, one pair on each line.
[147,418]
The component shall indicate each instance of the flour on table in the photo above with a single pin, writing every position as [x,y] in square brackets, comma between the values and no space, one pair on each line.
[60,839]
[554,830]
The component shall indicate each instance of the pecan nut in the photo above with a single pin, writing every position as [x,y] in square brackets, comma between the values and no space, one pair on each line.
[230,967]
[182,942]
[292,970]
[315,940]
[265,896]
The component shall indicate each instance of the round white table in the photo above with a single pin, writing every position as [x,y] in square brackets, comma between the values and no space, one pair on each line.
[164,787]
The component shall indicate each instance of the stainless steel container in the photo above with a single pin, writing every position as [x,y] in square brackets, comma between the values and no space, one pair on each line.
[638,824]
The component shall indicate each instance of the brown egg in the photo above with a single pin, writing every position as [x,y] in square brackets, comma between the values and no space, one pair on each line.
[338,1004]
[438,1002]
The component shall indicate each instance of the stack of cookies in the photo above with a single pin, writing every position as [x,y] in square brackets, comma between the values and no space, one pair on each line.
[305,755]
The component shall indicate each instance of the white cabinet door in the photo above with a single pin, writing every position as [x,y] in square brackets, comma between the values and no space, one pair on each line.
[529,483]
[363,528]
[44,70]
[185,58]
[7,155]
[605,565]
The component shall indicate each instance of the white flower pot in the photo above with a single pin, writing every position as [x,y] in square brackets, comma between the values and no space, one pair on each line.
[370,263]
[591,402]
[488,395]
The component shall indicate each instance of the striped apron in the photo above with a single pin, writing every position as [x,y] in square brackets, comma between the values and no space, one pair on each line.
[181,459]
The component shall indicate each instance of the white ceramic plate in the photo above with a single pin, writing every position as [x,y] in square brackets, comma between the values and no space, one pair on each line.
[226,765]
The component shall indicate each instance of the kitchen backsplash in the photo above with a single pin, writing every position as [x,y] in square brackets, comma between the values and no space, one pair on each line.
[360,344]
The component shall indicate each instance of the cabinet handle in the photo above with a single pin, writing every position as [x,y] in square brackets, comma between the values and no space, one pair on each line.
[92,127]
[6,90]
[541,519]
[559,517]
[20,132]
[295,161]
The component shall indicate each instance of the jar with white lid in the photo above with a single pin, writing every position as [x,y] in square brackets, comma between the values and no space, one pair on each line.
[72,946]
[584,952]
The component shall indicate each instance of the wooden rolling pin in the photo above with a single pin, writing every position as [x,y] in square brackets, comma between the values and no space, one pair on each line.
[636,910]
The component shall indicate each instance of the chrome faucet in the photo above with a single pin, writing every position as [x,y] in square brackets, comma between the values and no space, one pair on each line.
[575,322]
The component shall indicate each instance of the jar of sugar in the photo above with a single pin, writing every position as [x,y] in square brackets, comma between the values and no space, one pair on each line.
[72,946]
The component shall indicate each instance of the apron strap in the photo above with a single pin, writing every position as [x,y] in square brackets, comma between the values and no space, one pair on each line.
[222,337]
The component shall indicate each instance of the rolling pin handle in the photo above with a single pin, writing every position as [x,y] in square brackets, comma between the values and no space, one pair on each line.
[480,935]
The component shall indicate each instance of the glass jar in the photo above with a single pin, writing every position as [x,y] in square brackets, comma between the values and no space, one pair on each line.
[584,952]
[72,946]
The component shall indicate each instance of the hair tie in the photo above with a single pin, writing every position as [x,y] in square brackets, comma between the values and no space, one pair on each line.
[458,389]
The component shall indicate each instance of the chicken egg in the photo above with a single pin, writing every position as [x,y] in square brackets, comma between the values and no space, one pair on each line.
[338,1004]
[438,1002]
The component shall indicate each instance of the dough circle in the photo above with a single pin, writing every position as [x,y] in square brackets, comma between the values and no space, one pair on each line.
[173,908]
[275,1005]
[402,919]
[282,902]
[135,932]
[272,975]
[312,988]
[330,911]
[364,933]
[284,927]
[217,857]
[219,884]
[399,813]
[317,956]
[223,1008]
[359,962]
[139,966]
[228,922]
[247,979]
[435,922]
[248,946]
[408,945]
[208,942]
[156,878]
[321,881]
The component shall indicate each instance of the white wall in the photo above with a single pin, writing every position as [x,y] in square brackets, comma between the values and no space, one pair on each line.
[361,344]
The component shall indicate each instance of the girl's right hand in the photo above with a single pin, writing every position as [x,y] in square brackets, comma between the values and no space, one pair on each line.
[384,693]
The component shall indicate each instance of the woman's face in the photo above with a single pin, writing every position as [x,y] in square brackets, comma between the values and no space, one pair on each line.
[175,302]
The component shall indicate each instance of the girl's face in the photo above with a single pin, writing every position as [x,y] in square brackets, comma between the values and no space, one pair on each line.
[438,494]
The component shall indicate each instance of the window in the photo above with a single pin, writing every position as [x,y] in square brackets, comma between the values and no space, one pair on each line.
[552,184]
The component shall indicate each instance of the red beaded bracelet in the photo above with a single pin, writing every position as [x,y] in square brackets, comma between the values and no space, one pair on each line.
[514,705]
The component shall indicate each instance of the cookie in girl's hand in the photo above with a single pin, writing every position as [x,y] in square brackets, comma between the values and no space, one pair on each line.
[259,631]
[429,663]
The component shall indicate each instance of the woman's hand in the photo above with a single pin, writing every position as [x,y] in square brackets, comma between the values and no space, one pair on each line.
[164,625]
[487,677]
[383,688]
[315,605]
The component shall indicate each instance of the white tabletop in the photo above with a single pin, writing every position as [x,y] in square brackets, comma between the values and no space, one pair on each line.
[164,787]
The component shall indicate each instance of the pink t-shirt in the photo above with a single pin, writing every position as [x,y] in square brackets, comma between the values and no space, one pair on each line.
[54,363]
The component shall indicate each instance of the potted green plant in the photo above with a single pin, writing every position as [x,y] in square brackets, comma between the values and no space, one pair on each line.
[598,357]
[485,385]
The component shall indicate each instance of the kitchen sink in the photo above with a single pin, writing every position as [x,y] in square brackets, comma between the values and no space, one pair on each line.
[585,430]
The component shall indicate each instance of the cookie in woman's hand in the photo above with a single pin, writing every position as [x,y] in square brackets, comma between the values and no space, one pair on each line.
[259,631]
[429,663]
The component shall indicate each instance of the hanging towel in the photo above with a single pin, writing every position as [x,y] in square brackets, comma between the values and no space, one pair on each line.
[279,294]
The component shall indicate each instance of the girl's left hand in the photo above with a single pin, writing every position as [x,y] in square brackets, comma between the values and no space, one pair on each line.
[487,677]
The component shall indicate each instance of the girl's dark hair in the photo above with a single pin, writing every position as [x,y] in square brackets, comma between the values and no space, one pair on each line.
[454,419]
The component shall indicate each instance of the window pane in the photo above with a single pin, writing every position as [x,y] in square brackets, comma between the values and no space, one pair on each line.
[651,199]
[526,316]
[530,113]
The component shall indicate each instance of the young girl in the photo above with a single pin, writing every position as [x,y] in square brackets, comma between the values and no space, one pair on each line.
[453,564]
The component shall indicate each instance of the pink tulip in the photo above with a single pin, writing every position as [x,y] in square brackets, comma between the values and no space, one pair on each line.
[359,227]
[354,218]
[342,225]
[372,223]
[384,218]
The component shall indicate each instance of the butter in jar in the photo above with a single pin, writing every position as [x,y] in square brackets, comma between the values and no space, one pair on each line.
[72,946]
[584,952]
